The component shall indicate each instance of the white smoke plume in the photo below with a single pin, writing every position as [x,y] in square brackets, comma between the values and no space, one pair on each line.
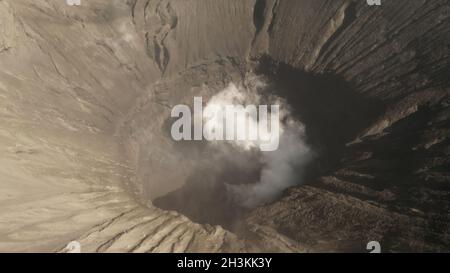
[281,168]
[253,128]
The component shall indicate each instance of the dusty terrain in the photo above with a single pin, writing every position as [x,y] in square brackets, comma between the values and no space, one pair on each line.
[86,92]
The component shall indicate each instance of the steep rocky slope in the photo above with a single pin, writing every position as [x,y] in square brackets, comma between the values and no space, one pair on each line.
[86,93]
[389,181]
[67,76]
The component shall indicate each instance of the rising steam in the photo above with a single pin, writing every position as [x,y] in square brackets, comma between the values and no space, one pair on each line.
[281,168]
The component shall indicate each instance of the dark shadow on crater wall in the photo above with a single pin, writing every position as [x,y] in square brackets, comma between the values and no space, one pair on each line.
[332,112]
[258,14]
